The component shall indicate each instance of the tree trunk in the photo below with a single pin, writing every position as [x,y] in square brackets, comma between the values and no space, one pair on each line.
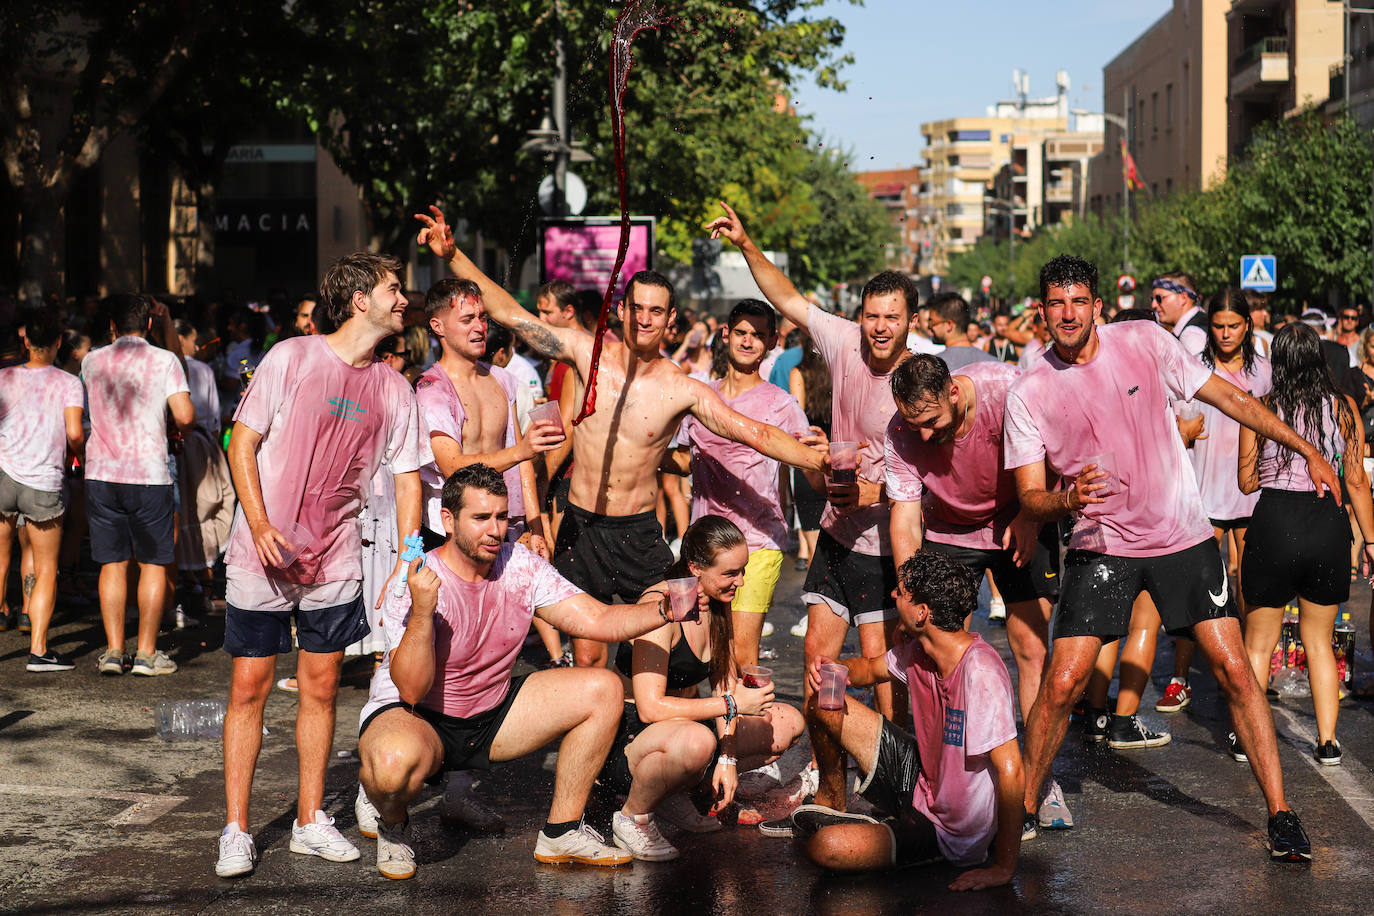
[41,247]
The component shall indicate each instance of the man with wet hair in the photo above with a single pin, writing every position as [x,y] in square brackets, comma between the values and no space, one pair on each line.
[1093,412]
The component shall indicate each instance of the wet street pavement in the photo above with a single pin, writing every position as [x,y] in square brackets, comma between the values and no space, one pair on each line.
[101,815]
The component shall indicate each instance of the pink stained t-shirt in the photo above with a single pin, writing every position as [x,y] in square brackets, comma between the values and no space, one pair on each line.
[731,479]
[959,721]
[1216,457]
[33,424]
[861,408]
[441,411]
[967,496]
[479,629]
[1118,402]
[326,428]
[128,383]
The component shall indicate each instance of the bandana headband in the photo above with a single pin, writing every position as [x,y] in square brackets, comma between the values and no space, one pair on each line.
[1175,287]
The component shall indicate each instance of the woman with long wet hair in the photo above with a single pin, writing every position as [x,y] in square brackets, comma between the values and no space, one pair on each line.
[1299,542]
[671,737]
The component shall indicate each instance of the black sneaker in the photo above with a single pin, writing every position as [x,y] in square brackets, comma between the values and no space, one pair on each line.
[51,661]
[1327,753]
[778,827]
[1233,746]
[1127,732]
[1287,840]
[1029,827]
[1095,725]
[808,819]
[7,619]
[25,625]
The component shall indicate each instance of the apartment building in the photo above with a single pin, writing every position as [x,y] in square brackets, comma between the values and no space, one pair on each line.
[1045,180]
[898,190]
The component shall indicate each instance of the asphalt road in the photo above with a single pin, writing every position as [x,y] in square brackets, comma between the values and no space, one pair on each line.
[100,815]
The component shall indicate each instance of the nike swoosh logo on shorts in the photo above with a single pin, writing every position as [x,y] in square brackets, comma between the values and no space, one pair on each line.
[1050,575]
[1220,600]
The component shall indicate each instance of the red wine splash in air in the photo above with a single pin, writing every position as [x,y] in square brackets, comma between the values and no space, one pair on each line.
[636,17]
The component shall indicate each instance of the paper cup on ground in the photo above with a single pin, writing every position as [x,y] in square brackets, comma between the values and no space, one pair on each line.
[833,681]
[1105,462]
[682,594]
[756,676]
[844,462]
[547,413]
[299,539]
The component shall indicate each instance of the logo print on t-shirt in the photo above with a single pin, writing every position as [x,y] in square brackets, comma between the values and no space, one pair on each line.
[954,727]
[1133,390]
[346,409]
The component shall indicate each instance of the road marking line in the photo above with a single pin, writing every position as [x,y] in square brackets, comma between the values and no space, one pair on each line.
[144,810]
[1351,779]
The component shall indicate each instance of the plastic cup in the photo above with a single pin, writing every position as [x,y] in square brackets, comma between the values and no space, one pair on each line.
[834,678]
[757,676]
[682,595]
[547,412]
[1105,462]
[1187,410]
[844,462]
[299,539]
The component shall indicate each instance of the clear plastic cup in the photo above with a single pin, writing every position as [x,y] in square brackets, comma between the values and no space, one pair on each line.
[834,678]
[299,539]
[547,412]
[844,462]
[682,594]
[756,676]
[1187,410]
[1105,462]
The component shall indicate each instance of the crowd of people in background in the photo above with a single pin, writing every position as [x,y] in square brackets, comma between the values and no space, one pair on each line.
[398,475]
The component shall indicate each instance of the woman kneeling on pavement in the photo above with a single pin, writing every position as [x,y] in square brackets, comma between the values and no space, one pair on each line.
[671,737]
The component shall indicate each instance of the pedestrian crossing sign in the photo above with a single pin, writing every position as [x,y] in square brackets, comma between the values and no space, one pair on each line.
[1257,272]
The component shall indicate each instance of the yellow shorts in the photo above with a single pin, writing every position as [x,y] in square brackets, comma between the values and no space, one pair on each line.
[755,596]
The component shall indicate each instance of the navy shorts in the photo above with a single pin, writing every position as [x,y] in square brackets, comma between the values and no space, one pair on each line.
[261,634]
[130,521]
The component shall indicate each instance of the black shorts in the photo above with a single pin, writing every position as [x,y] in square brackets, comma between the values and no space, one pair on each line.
[130,521]
[1037,579]
[809,501]
[1230,524]
[556,499]
[889,787]
[260,634]
[615,774]
[466,741]
[1298,544]
[610,555]
[857,587]
[1188,587]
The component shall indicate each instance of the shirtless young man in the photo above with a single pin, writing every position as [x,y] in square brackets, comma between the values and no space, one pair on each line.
[610,543]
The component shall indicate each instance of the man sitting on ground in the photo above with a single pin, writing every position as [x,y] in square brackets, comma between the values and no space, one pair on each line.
[952,790]
[444,699]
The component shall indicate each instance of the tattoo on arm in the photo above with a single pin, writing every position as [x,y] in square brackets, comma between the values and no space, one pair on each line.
[540,338]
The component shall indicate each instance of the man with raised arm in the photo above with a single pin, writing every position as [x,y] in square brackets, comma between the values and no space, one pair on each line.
[1094,412]
[852,576]
[610,542]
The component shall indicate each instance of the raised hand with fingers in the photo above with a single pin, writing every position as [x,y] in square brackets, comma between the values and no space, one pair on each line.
[436,233]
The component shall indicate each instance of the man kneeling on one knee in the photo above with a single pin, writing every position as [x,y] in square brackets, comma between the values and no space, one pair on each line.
[953,790]
[444,698]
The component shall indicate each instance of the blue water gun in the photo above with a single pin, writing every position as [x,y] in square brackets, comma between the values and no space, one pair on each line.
[414,549]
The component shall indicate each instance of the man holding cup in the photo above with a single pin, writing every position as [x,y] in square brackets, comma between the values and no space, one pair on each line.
[1105,390]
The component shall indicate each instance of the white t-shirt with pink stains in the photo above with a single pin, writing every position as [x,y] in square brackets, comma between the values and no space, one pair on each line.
[959,720]
[479,629]
[326,428]
[442,411]
[731,479]
[967,496]
[128,383]
[33,424]
[861,408]
[1117,403]
[1216,456]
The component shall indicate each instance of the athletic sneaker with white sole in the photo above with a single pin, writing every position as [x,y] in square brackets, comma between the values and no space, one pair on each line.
[395,855]
[638,835]
[799,628]
[322,839]
[237,854]
[460,807]
[583,846]
[997,609]
[1126,732]
[1054,814]
[678,810]
[767,630]
[110,662]
[366,813]
[153,665]
[808,819]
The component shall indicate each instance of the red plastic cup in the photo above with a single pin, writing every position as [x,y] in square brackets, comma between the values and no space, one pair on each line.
[682,595]
[834,679]
[756,676]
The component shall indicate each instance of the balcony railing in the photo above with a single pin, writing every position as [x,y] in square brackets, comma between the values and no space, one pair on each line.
[1276,44]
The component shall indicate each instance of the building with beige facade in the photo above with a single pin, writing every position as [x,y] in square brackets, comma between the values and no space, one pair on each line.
[898,190]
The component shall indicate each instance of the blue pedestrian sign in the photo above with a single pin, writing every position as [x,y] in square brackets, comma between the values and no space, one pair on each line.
[1257,272]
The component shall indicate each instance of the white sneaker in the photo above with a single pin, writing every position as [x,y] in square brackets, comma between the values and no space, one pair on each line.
[395,855]
[237,854]
[767,630]
[675,545]
[583,846]
[997,609]
[322,839]
[678,810]
[460,807]
[799,628]
[638,835]
[1054,814]
[153,665]
[809,780]
[366,813]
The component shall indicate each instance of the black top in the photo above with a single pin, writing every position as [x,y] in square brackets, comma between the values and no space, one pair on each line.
[684,668]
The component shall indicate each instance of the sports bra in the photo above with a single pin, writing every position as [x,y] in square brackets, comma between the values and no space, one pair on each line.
[684,668]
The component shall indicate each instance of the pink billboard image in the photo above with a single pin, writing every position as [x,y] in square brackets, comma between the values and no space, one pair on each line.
[582,252]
